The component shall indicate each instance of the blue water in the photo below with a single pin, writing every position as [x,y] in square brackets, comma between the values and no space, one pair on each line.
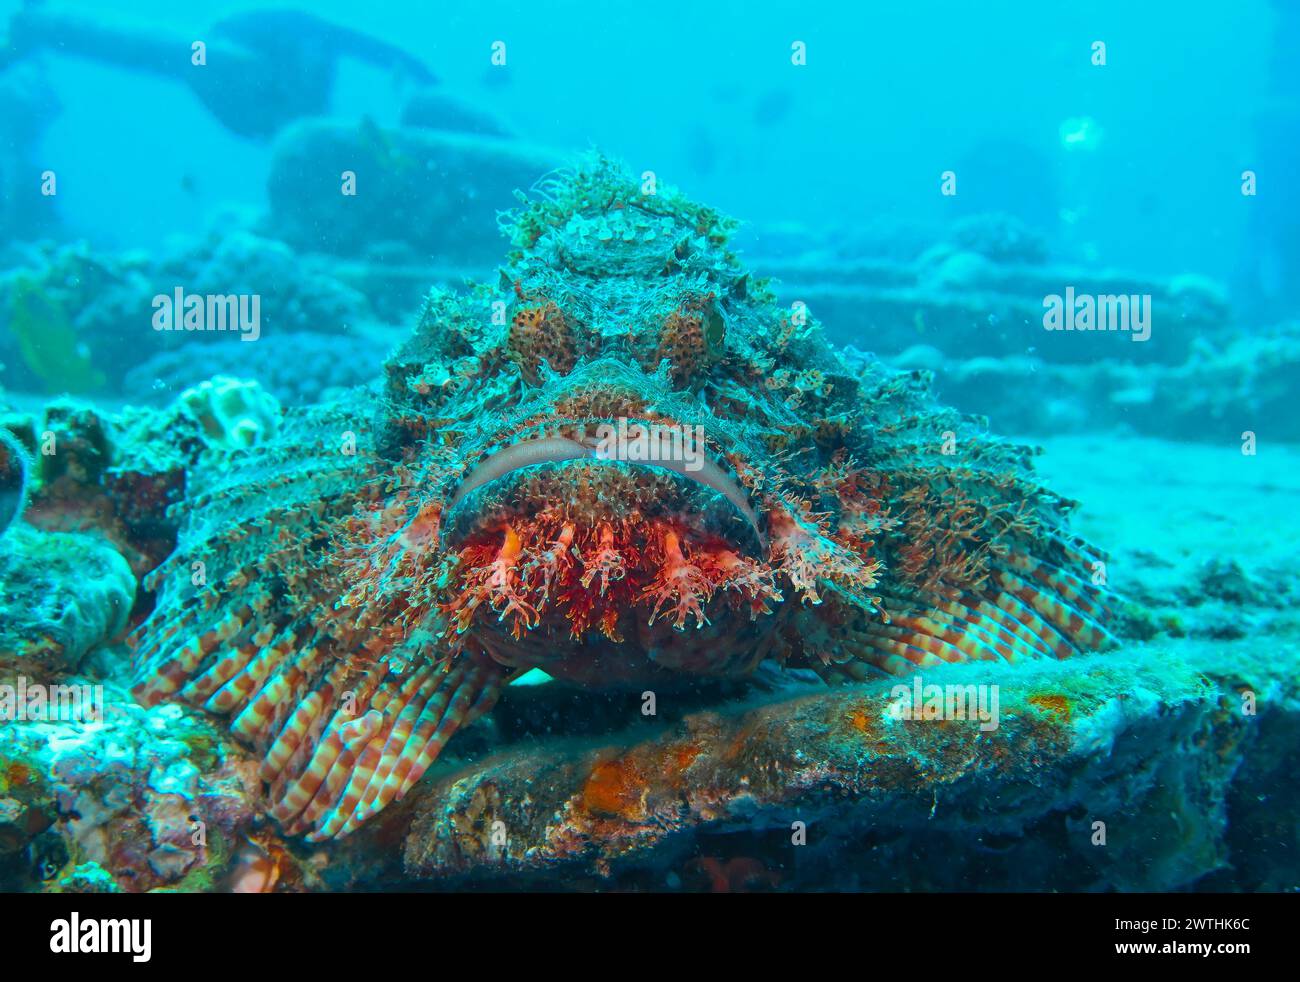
[891,96]
[873,153]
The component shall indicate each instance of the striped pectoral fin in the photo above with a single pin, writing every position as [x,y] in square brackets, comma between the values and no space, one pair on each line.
[1027,608]
[337,764]
[164,668]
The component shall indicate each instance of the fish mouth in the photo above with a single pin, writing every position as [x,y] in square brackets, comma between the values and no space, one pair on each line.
[572,538]
[632,444]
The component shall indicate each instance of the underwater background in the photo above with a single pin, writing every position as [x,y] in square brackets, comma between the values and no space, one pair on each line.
[1079,223]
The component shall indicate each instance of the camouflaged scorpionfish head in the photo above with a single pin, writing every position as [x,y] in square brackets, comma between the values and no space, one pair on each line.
[618,424]
[618,427]
[623,460]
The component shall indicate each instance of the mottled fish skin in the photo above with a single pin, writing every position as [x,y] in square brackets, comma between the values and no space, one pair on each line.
[357,590]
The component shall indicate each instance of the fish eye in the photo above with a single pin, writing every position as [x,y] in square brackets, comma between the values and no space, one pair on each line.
[715,332]
[692,337]
[541,332]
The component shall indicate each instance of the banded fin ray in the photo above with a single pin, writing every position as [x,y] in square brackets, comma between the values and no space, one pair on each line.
[346,723]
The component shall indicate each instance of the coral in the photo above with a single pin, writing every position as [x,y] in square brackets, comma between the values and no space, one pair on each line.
[296,367]
[606,484]
[80,320]
[298,294]
[119,475]
[63,594]
[133,801]
[233,413]
[111,474]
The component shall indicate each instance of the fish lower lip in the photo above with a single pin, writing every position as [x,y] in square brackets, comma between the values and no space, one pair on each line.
[556,449]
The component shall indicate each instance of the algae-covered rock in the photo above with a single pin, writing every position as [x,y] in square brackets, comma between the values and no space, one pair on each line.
[1237,381]
[88,877]
[62,594]
[74,443]
[439,192]
[132,800]
[120,473]
[1106,772]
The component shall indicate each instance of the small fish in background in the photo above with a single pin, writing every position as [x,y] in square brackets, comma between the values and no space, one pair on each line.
[773,108]
[1080,133]
[702,151]
[189,185]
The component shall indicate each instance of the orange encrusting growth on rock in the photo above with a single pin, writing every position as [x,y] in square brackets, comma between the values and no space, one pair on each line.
[616,788]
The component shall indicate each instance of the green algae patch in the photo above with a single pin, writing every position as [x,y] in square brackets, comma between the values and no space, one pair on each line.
[48,341]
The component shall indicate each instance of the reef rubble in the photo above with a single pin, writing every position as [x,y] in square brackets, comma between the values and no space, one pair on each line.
[1237,381]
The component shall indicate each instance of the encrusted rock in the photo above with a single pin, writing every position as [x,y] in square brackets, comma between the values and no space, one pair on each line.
[437,192]
[61,594]
[1162,747]
[132,800]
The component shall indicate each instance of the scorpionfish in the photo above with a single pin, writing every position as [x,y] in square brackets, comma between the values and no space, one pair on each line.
[357,589]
